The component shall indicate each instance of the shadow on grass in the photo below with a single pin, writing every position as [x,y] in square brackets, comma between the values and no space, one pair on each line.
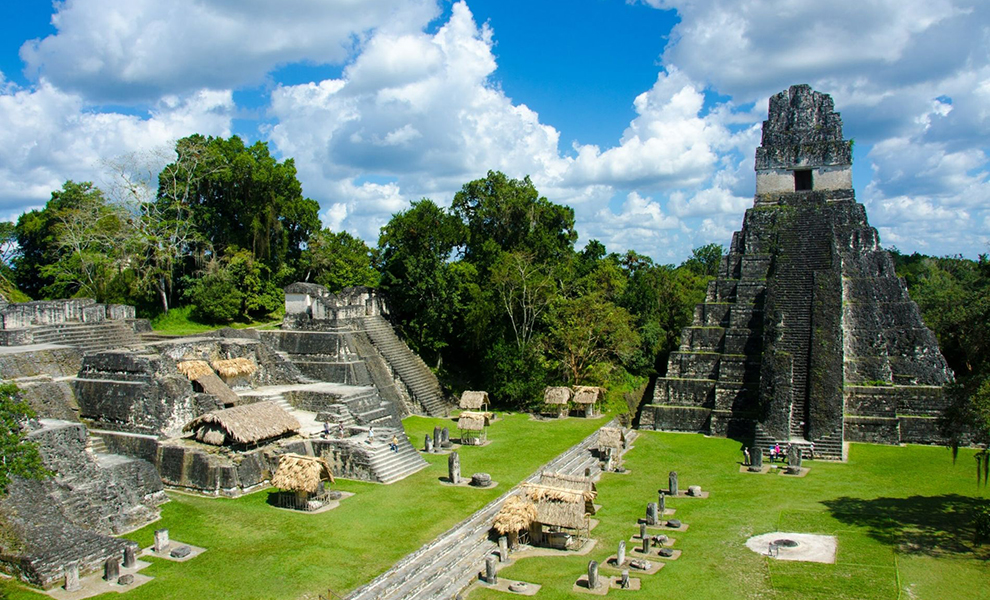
[926,525]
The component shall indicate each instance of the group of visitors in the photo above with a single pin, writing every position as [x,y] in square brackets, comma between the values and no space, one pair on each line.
[776,454]
[393,445]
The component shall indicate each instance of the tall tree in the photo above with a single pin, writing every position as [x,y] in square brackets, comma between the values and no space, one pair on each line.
[509,215]
[414,252]
[338,260]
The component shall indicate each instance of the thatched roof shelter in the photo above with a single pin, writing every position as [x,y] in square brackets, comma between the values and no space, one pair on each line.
[473,421]
[246,424]
[584,394]
[516,514]
[611,437]
[474,400]
[194,369]
[234,367]
[299,473]
[577,483]
[557,395]
[558,507]
[199,371]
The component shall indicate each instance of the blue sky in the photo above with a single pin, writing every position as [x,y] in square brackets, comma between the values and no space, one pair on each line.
[644,116]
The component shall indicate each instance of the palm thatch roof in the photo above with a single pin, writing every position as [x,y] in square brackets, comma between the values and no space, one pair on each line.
[474,400]
[577,483]
[516,514]
[559,507]
[473,421]
[611,437]
[233,367]
[299,473]
[584,394]
[194,369]
[557,395]
[246,424]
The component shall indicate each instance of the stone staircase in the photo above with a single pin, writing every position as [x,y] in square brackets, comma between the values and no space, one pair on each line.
[88,337]
[452,561]
[389,466]
[410,369]
[96,445]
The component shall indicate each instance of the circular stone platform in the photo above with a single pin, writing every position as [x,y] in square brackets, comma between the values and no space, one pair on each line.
[805,547]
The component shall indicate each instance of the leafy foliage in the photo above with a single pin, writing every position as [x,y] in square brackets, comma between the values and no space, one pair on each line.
[18,456]
[338,260]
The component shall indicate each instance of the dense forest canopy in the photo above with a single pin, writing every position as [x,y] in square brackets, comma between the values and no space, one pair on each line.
[491,291]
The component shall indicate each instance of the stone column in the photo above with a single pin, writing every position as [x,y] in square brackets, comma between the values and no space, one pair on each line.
[111,569]
[428,444]
[662,503]
[491,575]
[651,514]
[503,548]
[72,578]
[646,545]
[130,559]
[445,438]
[642,530]
[672,483]
[593,581]
[794,459]
[454,468]
[161,541]
[757,460]
[437,439]
[620,556]
[624,582]
[589,411]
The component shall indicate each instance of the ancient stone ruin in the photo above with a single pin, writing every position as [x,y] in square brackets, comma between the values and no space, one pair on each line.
[807,335]
[125,413]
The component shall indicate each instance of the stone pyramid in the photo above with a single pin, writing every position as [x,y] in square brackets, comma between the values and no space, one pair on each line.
[807,336]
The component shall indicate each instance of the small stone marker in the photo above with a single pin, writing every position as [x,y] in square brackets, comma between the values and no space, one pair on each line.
[428,444]
[757,462]
[437,439]
[518,587]
[72,578]
[794,460]
[445,438]
[651,514]
[643,565]
[624,582]
[694,490]
[620,556]
[646,545]
[454,468]
[503,548]
[180,552]
[481,480]
[111,569]
[666,552]
[130,557]
[491,576]
[161,540]
[661,502]
[642,530]
[672,483]
[593,581]
[126,579]
[674,523]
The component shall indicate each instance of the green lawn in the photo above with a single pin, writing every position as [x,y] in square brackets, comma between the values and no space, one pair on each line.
[255,551]
[901,516]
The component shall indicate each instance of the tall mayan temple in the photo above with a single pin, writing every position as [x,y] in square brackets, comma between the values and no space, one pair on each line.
[807,336]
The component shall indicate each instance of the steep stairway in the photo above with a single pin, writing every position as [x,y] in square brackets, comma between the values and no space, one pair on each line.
[88,337]
[410,369]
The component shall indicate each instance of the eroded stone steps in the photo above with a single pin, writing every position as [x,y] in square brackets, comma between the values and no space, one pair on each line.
[420,381]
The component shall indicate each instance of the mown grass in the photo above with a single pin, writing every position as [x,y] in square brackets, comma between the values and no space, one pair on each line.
[902,517]
[179,321]
[255,551]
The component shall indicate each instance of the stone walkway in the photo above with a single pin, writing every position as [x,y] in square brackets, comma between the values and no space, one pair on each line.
[449,563]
